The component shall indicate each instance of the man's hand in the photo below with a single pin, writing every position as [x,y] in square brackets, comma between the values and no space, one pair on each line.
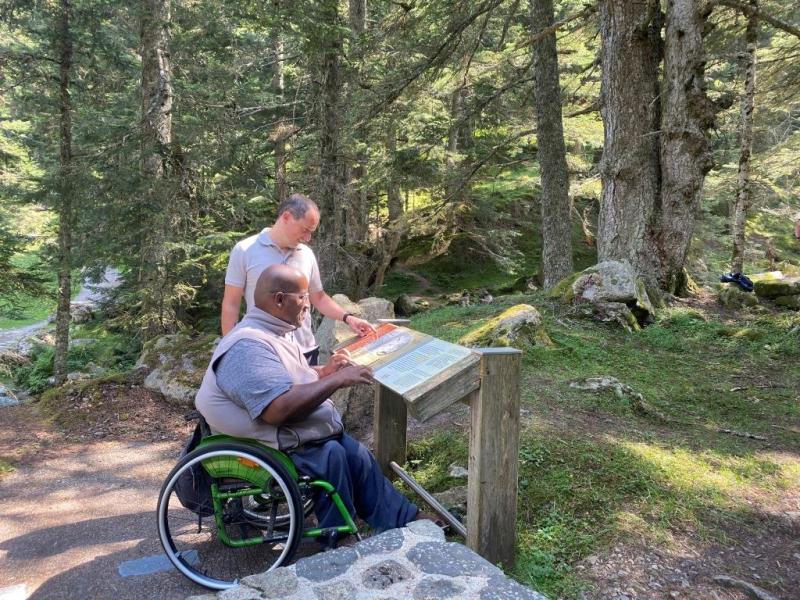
[339,360]
[353,375]
[360,326]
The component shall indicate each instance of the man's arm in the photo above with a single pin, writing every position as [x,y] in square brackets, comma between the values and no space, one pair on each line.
[328,307]
[231,303]
[303,398]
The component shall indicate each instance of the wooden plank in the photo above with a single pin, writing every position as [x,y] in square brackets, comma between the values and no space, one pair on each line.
[446,388]
[493,457]
[390,423]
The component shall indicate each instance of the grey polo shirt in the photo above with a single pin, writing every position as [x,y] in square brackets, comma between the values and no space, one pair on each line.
[254,254]
[252,376]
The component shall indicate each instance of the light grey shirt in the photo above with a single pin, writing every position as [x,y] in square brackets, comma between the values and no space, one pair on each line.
[254,254]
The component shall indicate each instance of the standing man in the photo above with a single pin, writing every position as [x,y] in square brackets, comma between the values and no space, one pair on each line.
[284,243]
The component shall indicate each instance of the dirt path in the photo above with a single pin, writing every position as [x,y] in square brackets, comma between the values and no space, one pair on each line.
[73,512]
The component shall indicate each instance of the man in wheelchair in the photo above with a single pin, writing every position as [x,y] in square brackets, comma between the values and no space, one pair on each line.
[259,385]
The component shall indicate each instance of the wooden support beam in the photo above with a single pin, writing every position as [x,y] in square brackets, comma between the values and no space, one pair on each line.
[390,422]
[494,456]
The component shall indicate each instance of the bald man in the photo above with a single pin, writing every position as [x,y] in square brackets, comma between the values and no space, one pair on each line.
[259,385]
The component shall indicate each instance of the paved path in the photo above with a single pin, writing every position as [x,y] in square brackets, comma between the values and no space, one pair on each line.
[70,517]
[90,293]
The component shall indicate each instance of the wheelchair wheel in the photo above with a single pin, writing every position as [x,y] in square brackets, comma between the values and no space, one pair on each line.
[257,522]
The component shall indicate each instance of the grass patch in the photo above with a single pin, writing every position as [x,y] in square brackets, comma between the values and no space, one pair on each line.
[587,485]
[6,468]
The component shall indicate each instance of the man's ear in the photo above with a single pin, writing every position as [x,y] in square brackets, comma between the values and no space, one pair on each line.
[279,298]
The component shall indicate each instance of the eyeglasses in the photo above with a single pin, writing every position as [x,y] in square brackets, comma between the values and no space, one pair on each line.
[303,296]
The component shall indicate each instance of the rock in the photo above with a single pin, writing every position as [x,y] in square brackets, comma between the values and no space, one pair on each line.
[774,288]
[621,391]
[457,471]
[327,565]
[612,312]
[81,311]
[273,584]
[384,575]
[454,500]
[414,562]
[7,397]
[80,342]
[406,305]
[605,282]
[524,284]
[354,403]
[732,296]
[519,326]
[176,364]
[789,301]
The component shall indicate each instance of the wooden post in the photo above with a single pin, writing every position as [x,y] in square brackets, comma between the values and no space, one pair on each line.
[493,457]
[390,424]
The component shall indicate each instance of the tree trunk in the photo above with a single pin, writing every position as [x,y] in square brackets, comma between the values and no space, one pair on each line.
[743,186]
[342,242]
[282,129]
[556,230]
[630,165]
[391,233]
[156,161]
[685,147]
[65,212]
[332,189]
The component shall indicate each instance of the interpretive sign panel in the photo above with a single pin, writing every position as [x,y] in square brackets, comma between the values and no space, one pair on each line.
[414,364]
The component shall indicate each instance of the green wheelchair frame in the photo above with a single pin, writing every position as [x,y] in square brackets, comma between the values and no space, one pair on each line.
[259,503]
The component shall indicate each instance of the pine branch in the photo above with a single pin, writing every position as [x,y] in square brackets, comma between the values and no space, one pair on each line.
[581,14]
[751,11]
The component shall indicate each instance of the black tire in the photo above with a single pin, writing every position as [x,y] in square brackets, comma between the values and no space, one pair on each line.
[194,545]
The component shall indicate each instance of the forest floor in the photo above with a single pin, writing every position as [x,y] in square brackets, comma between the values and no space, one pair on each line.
[614,502]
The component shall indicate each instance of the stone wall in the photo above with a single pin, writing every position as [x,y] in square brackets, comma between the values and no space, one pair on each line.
[414,562]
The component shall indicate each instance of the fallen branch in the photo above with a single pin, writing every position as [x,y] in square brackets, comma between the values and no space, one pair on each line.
[753,591]
[743,434]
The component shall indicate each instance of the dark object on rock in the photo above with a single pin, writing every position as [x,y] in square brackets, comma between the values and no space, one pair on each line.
[740,279]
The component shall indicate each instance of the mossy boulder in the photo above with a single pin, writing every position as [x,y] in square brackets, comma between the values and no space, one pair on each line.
[767,276]
[407,305]
[789,301]
[774,288]
[175,365]
[732,296]
[608,282]
[519,326]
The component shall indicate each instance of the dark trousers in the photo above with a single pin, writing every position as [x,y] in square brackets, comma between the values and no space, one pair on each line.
[350,467]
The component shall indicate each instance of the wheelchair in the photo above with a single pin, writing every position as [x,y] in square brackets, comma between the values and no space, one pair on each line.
[255,515]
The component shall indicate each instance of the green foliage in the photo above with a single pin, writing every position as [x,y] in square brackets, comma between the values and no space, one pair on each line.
[94,344]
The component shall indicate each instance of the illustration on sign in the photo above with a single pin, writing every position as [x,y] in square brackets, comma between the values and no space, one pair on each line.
[401,358]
